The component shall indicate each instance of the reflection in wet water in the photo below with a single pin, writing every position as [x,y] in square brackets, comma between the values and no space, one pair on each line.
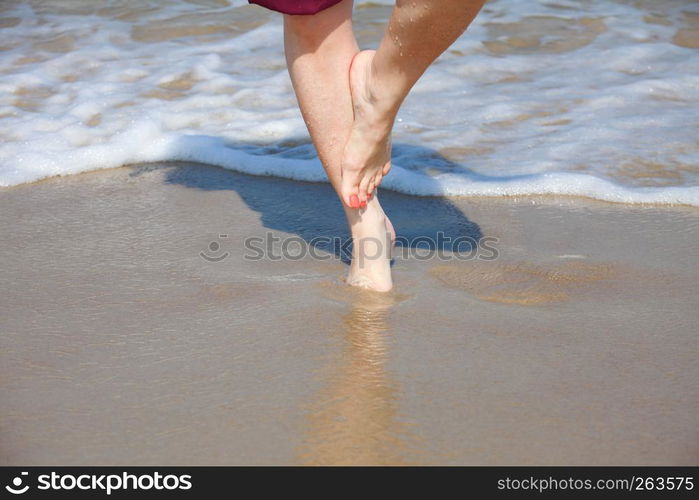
[354,419]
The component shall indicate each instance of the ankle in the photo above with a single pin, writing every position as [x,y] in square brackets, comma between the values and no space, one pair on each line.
[370,253]
[367,219]
[374,103]
[378,93]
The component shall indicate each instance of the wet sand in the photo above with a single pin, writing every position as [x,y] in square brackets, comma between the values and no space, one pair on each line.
[133,332]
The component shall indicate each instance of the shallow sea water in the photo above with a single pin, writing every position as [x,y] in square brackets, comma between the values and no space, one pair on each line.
[592,98]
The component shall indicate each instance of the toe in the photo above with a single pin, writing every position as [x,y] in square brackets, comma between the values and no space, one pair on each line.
[378,179]
[363,189]
[370,189]
[350,196]
[386,168]
[349,189]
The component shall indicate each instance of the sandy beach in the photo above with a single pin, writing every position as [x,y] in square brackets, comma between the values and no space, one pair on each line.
[136,329]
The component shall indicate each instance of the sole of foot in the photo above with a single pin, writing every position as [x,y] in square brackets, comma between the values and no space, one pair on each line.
[367,154]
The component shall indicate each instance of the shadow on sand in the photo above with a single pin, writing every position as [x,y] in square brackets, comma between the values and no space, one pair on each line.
[312,211]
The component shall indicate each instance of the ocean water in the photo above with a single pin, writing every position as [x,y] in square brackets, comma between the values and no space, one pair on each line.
[598,98]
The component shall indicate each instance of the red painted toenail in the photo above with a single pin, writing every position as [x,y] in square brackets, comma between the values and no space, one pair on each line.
[354,201]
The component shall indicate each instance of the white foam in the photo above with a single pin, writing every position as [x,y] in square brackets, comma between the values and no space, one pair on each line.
[615,119]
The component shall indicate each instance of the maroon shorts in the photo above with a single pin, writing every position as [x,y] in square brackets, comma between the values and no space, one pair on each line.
[296,6]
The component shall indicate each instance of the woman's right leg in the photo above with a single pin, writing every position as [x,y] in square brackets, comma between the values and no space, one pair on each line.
[319,50]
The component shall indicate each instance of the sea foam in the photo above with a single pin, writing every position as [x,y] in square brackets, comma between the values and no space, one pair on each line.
[597,99]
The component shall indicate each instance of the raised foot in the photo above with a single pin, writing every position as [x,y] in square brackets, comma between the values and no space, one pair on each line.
[367,154]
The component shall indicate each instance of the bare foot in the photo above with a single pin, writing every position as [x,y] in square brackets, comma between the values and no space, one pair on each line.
[367,155]
[373,238]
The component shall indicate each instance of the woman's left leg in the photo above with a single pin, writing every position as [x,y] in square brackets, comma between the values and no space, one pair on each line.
[418,32]
[319,50]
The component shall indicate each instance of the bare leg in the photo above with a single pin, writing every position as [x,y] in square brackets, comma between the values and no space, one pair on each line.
[319,50]
[418,32]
